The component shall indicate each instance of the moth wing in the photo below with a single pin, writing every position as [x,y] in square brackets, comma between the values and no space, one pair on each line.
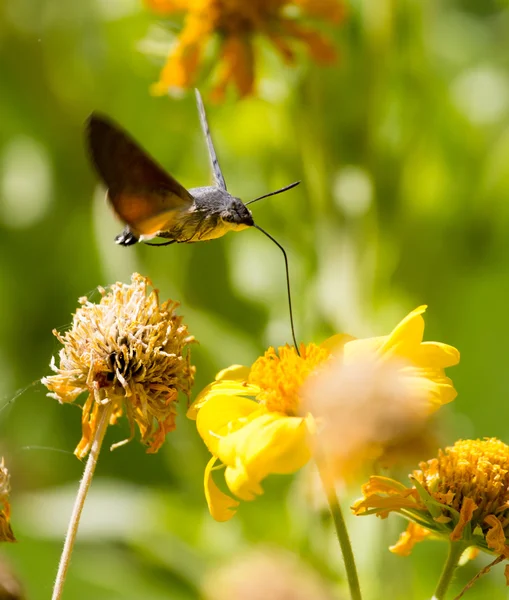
[142,193]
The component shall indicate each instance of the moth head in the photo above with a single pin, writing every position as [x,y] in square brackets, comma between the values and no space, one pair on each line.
[237,213]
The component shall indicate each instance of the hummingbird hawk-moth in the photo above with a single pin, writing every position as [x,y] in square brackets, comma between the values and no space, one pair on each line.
[152,204]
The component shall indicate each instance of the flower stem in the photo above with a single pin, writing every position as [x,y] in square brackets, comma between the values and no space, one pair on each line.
[455,551]
[103,418]
[341,530]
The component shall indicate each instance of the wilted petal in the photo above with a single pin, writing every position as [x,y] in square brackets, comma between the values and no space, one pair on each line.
[412,535]
[495,538]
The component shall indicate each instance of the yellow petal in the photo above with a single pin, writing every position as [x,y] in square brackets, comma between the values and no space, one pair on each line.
[383,504]
[385,485]
[222,388]
[234,373]
[221,506]
[268,443]
[240,483]
[430,384]
[359,349]
[232,380]
[435,354]
[470,553]
[414,533]
[222,415]
[336,343]
[407,335]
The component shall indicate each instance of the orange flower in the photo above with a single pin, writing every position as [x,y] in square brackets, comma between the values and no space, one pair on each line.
[236,22]
[462,495]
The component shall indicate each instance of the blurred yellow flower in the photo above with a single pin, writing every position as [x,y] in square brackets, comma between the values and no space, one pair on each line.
[253,421]
[6,534]
[372,402]
[235,22]
[462,496]
[127,352]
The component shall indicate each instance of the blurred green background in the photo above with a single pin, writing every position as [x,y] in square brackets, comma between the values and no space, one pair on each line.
[403,153]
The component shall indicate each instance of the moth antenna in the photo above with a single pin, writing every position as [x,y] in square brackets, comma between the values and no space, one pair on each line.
[287,283]
[216,169]
[285,189]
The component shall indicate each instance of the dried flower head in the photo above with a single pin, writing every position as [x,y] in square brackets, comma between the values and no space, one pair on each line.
[462,495]
[6,534]
[127,351]
[235,22]
[266,573]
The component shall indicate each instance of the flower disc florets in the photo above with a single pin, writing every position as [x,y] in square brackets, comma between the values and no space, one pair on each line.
[127,350]
[280,375]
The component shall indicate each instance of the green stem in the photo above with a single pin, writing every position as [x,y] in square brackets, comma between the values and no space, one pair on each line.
[341,530]
[455,551]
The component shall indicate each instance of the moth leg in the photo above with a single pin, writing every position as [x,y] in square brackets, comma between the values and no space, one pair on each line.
[126,238]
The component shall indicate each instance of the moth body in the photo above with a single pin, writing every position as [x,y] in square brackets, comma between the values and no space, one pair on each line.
[212,213]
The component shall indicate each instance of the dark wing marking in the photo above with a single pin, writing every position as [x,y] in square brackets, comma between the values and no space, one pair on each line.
[142,194]
[216,169]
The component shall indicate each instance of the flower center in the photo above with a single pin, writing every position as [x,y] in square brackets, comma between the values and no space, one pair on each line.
[474,469]
[280,375]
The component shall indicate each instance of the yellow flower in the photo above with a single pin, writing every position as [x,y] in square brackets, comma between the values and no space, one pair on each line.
[6,534]
[252,419]
[235,22]
[463,495]
[127,351]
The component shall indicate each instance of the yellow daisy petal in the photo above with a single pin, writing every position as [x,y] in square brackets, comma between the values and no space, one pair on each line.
[221,416]
[234,373]
[269,443]
[406,337]
[221,506]
[437,355]
[241,484]
[336,343]
[220,388]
